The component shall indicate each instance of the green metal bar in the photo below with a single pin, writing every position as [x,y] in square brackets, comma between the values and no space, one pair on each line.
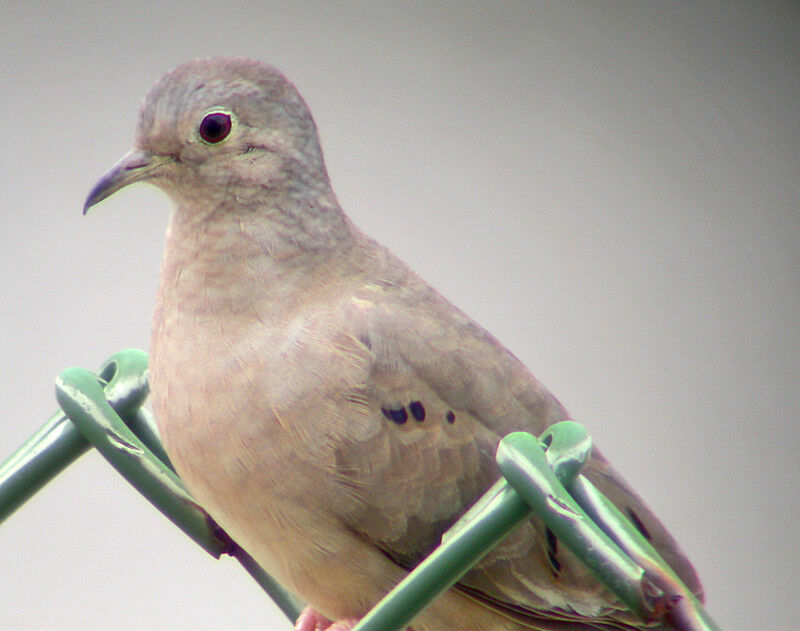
[567,449]
[543,478]
[107,408]
[523,463]
[143,426]
[286,602]
[684,610]
[131,366]
[494,516]
[81,397]
[59,443]
[529,485]
[568,446]
[37,461]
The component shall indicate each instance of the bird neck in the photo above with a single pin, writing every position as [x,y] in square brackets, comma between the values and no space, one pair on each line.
[231,254]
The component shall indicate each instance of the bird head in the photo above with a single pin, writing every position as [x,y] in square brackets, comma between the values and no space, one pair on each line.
[220,126]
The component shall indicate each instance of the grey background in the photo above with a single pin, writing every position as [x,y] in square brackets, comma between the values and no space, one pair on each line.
[610,189]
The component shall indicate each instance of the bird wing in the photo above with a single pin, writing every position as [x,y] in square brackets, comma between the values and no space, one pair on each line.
[442,392]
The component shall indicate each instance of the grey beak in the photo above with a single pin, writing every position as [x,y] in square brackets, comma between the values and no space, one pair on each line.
[135,166]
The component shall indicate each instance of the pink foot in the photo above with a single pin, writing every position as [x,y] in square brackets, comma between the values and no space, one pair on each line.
[311,620]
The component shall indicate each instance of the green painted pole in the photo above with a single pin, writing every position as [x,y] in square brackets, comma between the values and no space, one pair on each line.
[103,411]
[37,461]
[568,447]
[684,610]
[59,443]
[495,515]
[83,400]
[523,463]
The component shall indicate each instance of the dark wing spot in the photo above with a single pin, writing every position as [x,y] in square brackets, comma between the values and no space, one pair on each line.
[398,415]
[417,410]
[639,525]
[365,340]
[451,418]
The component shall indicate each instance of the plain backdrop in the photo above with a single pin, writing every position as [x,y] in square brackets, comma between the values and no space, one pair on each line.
[611,189]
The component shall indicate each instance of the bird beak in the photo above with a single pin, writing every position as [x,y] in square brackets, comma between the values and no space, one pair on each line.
[135,166]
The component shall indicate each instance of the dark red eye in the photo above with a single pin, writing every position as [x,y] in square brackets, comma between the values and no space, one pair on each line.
[215,127]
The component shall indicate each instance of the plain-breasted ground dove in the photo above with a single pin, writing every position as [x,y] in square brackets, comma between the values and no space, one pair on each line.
[329,409]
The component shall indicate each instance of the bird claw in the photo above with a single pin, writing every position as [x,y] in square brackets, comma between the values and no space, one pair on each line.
[311,620]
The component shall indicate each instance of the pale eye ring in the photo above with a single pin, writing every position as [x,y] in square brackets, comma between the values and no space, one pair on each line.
[215,127]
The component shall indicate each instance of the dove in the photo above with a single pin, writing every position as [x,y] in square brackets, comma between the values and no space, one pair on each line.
[329,409]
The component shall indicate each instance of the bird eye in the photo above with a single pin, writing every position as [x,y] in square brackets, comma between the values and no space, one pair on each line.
[215,127]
